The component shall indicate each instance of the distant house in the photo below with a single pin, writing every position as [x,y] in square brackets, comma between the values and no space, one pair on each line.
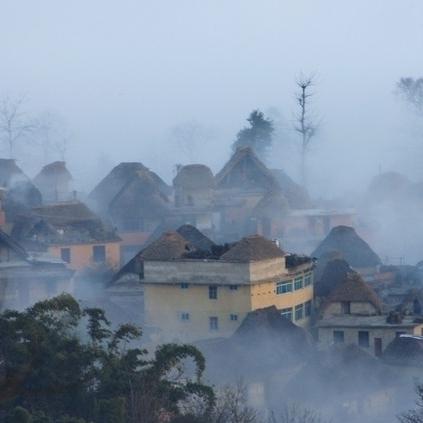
[26,279]
[55,183]
[352,314]
[344,241]
[70,231]
[135,200]
[191,293]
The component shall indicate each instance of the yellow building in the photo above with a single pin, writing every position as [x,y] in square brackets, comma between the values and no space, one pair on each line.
[190,294]
[72,232]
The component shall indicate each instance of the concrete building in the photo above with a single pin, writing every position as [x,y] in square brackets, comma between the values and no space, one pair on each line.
[352,314]
[192,294]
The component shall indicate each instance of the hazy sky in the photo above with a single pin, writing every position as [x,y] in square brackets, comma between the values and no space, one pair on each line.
[122,73]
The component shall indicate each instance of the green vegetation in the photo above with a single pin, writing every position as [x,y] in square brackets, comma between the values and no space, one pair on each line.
[60,363]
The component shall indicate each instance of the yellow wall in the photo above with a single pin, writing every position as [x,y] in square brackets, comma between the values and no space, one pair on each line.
[164,304]
[82,254]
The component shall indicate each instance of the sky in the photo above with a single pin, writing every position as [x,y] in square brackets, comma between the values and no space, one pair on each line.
[123,74]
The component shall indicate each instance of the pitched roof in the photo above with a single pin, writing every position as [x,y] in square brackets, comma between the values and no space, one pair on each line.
[119,177]
[10,173]
[194,176]
[139,197]
[353,248]
[169,246]
[65,212]
[296,195]
[196,239]
[13,245]
[334,274]
[253,248]
[245,170]
[354,289]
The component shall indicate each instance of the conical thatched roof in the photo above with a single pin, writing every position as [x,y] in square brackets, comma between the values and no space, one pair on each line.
[354,289]
[194,176]
[55,170]
[354,250]
[253,248]
[244,170]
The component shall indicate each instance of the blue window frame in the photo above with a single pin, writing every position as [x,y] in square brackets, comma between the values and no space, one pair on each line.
[298,283]
[283,287]
[184,285]
[287,313]
[299,312]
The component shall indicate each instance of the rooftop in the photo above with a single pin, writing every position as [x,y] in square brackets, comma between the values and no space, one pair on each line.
[354,321]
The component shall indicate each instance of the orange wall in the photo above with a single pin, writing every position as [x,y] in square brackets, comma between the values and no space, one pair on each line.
[82,254]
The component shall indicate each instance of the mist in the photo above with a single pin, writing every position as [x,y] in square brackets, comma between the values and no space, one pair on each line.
[123,77]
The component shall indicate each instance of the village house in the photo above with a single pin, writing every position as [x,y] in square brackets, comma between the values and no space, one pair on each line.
[26,279]
[71,232]
[135,200]
[55,183]
[353,314]
[191,293]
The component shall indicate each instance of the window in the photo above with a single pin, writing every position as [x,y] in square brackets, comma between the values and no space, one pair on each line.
[234,317]
[298,284]
[233,287]
[363,339]
[287,313]
[338,336]
[184,316]
[213,323]
[299,312]
[346,307]
[65,254]
[308,279]
[184,285]
[212,292]
[307,309]
[99,253]
[283,287]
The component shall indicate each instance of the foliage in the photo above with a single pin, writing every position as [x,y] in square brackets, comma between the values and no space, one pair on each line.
[61,363]
[411,90]
[258,136]
[416,415]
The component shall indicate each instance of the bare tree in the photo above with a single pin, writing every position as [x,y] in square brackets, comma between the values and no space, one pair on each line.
[295,413]
[15,124]
[304,122]
[416,415]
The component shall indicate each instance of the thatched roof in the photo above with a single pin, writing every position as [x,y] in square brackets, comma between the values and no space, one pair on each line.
[354,250]
[10,173]
[53,171]
[197,240]
[245,171]
[194,176]
[262,333]
[62,223]
[296,195]
[13,245]
[405,350]
[141,197]
[253,248]
[354,289]
[169,246]
[334,274]
[118,178]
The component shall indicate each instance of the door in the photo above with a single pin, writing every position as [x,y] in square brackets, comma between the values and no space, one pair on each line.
[378,347]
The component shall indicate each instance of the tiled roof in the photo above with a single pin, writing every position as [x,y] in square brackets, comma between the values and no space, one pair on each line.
[169,246]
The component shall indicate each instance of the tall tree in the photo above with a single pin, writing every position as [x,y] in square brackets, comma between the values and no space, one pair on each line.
[15,124]
[411,90]
[304,122]
[258,136]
